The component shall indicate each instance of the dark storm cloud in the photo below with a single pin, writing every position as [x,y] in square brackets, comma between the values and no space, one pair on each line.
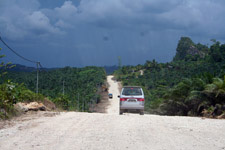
[96,32]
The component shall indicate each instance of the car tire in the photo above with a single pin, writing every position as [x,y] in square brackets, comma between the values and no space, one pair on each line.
[141,112]
[121,112]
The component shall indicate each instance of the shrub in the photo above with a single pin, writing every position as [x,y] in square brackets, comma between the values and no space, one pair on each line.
[11,93]
[62,101]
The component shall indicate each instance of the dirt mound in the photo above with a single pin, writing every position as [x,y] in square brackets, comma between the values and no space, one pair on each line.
[49,104]
[35,106]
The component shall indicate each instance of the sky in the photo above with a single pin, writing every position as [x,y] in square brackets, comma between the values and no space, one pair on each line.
[80,33]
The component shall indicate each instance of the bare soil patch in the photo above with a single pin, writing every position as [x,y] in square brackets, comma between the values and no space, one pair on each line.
[104,103]
[30,115]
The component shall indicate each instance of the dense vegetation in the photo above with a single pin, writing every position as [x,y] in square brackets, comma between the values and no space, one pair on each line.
[191,84]
[69,88]
[11,93]
[80,85]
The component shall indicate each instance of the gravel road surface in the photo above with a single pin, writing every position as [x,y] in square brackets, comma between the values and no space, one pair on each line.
[109,131]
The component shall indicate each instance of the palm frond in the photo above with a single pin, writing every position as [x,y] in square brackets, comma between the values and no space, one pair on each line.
[210,88]
[220,91]
[218,82]
[194,95]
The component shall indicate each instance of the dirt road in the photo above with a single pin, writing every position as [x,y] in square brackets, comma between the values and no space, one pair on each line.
[84,131]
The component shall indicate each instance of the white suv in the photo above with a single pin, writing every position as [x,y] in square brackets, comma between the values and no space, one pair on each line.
[132,98]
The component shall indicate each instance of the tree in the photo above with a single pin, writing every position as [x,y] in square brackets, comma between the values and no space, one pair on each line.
[215,52]
[3,66]
[119,62]
[217,88]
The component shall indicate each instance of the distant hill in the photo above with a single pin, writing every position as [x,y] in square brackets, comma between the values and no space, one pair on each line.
[188,50]
[110,69]
[22,68]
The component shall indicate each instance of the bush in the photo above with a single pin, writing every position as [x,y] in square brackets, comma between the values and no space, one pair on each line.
[62,101]
[11,93]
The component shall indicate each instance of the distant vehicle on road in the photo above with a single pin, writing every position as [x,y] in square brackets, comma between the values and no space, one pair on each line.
[110,95]
[132,99]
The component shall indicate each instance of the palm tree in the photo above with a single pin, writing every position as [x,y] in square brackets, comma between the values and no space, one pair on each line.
[217,88]
[176,99]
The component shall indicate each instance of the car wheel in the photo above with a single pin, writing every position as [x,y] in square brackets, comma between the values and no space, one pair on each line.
[141,112]
[121,112]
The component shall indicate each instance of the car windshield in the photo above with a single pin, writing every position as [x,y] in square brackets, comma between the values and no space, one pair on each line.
[132,91]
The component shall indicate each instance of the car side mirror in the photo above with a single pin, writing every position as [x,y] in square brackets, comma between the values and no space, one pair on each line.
[118,96]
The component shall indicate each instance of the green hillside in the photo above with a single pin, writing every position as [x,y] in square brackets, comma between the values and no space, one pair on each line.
[192,82]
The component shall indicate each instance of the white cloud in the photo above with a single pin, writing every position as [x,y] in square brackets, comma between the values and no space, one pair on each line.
[25,17]
[192,16]
[62,24]
[20,19]
[115,27]
[66,11]
[38,22]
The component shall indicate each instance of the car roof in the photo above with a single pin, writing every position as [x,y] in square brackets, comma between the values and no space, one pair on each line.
[131,87]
